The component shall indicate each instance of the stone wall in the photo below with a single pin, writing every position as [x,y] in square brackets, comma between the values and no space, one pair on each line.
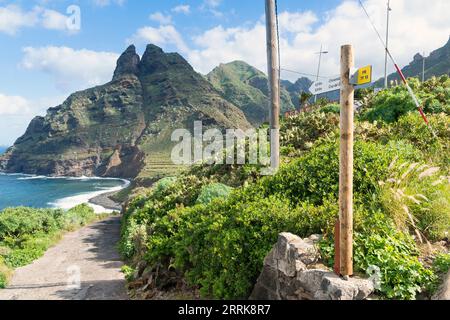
[292,272]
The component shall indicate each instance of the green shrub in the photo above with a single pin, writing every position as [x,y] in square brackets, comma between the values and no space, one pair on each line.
[76,217]
[377,243]
[390,105]
[147,209]
[164,183]
[442,263]
[26,233]
[128,272]
[213,191]
[412,128]
[315,176]
[16,222]
[331,108]
[303,130]
[221,246]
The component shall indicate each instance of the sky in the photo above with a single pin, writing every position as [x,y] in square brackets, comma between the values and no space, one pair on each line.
[52,48]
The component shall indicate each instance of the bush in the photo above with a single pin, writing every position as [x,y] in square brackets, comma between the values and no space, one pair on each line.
[315,176]
[390,105]
[442,263]
[147,209]
[331,108]
[17,222]
[379,245]
[303,130]
[221,246]
[26,233]
[164,183]
[213,191]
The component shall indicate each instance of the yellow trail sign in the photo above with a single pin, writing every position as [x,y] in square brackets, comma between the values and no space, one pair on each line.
[362,76]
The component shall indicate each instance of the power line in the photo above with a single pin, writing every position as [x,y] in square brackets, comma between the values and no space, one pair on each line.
[399,71]
[305,74]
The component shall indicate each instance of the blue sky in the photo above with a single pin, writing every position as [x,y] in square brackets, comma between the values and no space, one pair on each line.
[42,61]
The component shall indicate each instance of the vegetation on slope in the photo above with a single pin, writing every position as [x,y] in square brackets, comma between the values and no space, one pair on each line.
[26,233]
[247,88]
[402,196]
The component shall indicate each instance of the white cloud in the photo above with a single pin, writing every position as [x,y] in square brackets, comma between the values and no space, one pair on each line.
[212,7]
[161,36]
[416,26]
[16,112]
[10,105]
[212,3]
[13,18]
[220,45]
[71,69]
[161,18]
[186,9]
[53,20]
[296,22]
[105,3]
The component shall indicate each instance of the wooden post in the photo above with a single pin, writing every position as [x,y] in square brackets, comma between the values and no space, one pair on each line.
[274,82]
[346,164]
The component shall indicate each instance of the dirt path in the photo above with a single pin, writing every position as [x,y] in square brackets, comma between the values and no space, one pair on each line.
[90,253]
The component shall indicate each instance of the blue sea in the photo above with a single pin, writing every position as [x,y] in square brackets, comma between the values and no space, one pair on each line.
[50,192]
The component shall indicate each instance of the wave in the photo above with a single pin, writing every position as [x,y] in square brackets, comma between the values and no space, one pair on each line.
[72,201]
[82,178]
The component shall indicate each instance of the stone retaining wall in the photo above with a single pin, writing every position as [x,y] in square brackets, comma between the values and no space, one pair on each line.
[291,272]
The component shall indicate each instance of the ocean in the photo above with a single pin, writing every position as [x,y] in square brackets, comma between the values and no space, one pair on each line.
[53,192]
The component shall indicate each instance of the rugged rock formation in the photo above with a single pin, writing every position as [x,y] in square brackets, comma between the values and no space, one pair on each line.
[123,128]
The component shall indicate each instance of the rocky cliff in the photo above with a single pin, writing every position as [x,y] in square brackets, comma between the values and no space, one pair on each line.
[123,128]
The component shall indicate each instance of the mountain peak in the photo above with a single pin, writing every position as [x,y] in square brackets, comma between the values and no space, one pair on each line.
[127,63]
[155,59]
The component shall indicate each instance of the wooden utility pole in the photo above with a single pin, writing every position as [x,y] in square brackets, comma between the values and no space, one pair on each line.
[346,164]
[274,82]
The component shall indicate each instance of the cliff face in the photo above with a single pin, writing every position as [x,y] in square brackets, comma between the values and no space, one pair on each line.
[123,128]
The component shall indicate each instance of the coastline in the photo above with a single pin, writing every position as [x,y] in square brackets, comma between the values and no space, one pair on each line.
[103,200]
[97,200]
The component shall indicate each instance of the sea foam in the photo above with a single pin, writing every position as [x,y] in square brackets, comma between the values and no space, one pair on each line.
[72,201]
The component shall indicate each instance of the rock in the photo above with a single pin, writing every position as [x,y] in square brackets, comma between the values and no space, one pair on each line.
[291,272]
[443,292]
[334,287]
[311,280]
[128,63]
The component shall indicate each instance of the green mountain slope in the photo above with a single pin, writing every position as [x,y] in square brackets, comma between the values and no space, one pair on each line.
[123,128]
[247,88]
[437,64]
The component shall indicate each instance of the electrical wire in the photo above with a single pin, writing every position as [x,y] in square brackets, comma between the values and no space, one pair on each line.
[399,71]
[306,74]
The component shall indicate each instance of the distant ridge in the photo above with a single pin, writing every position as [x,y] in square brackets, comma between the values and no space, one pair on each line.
[436,64]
